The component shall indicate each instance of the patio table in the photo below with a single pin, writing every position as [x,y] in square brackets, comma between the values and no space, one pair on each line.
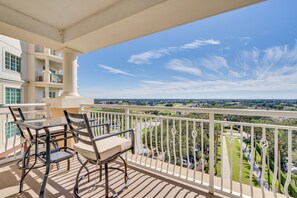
[49,156]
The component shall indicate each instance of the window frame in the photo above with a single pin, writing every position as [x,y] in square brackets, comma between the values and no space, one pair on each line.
[14,97]
[13,62]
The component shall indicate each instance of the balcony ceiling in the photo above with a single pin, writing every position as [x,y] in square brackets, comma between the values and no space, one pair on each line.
[90,25]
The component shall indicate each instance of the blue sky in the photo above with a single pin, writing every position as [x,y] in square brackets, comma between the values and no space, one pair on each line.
[246,53]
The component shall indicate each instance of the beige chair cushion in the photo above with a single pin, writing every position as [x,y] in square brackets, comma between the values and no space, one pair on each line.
[106,148]
[53,130]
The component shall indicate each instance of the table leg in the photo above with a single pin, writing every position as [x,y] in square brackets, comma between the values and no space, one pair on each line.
[24,173]
[47,163]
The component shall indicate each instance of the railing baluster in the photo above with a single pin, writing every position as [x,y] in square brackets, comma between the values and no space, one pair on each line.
[252,161]
[146,146]
[264,146]
[275,161]
[168,142]
[6,136]
[137,138]
[222,157]
[231,141]
[187,145]
[162,149]
[141,143]
[14,140]
[151,128]
[194,134]
[202,152]
[289,172]
[241,158]
[180,148]
[173,133]
[156,142]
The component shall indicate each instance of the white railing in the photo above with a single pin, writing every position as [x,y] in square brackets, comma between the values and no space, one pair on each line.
[11,147]
[209,147]
[56,78]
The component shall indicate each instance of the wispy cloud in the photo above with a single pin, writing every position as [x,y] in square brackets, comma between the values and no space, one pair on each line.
[214,63]
[146,57]
[114,70]
[184,66]
[198,43]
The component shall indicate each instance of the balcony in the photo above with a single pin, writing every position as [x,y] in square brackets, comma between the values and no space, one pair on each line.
[56,78]
[187,154]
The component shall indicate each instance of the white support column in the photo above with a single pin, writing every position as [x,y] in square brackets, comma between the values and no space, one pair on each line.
[70,73]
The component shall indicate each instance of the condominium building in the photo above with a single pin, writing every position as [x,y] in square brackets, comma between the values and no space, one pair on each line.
[29,73]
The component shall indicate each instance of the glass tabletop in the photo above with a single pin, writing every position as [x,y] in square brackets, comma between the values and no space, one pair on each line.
[46,122]
[43,122]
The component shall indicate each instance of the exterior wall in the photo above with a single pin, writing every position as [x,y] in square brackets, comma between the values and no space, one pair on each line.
[24,80]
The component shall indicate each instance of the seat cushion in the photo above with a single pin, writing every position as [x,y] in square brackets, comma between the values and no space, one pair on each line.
[53,131]
[106,148]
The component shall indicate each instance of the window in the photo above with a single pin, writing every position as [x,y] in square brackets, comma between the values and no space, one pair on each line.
[51,94]
[12,95]
[12,62]
[11,129]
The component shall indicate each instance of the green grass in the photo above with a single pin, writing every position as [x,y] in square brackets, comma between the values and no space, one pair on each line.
[236,164]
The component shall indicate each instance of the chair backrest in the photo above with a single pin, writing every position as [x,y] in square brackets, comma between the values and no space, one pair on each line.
[81,130]
[18,115]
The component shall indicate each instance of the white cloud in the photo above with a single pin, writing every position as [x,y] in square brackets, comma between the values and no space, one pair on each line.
[146,57]
[184,66]
[214,63]
[114,70]
[199,43]
[236,74]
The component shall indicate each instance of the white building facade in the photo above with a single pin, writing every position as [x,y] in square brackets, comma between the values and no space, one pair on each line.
[29,73]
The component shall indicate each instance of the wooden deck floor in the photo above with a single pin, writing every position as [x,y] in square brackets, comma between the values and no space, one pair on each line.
[61,182]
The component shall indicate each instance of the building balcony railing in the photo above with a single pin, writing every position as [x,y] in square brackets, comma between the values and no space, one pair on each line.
[57,78]
[236,153]
[222,150]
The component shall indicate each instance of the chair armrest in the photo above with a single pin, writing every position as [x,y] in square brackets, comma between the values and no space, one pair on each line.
[131,131]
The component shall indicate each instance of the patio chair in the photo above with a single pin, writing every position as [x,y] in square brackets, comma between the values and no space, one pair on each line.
[29,140]
[98,149]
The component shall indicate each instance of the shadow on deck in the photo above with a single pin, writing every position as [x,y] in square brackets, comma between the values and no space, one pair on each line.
[61,182]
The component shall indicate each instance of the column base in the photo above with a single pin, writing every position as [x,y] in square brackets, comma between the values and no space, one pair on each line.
[68,103]
[65,102]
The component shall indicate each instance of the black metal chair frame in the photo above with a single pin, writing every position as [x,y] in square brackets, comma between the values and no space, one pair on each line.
[16,113]
[76,129]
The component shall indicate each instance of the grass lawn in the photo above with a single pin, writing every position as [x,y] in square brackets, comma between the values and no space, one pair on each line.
[236,164]
[218,164]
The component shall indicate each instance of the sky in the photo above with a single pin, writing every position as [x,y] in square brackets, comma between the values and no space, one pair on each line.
[249,53]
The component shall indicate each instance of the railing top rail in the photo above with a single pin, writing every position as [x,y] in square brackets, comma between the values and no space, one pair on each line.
[245,112]
[24,105]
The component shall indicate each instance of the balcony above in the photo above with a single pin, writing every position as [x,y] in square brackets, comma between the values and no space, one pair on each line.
[56,81]
[52,57]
